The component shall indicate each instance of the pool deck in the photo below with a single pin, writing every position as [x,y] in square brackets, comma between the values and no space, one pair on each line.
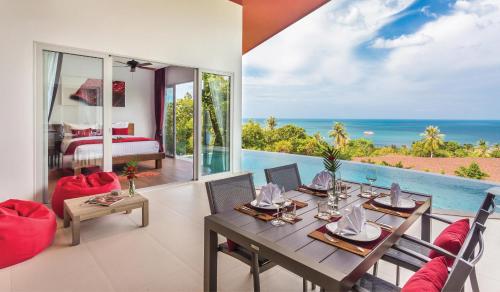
[115,254]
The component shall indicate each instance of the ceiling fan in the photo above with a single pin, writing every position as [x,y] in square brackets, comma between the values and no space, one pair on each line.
[133,64]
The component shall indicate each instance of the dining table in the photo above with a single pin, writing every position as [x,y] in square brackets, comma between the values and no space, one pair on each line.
[292,247]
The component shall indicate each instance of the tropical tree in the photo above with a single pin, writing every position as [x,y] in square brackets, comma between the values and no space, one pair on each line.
[482,148]
[253,136]
[339,135]
[432,139]
[271,123]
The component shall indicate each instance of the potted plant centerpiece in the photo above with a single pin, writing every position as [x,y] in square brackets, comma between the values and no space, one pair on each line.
[130,171]
[331,161]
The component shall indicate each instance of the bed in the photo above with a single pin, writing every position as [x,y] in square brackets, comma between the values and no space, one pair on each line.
[82,152]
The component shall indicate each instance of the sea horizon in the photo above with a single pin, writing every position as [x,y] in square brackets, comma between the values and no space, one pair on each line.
[399,131]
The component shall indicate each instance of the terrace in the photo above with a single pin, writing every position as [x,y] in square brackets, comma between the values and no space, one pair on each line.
[209,220]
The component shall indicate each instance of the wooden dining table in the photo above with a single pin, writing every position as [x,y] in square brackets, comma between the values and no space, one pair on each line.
[290,247]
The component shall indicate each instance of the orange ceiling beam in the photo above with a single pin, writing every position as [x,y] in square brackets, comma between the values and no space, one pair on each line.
[262,19]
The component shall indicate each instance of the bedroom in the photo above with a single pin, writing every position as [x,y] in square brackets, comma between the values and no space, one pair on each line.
[75,110]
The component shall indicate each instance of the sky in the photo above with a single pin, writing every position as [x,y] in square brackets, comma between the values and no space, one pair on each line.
[383,59]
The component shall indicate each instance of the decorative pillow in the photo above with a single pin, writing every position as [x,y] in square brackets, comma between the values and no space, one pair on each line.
[120,131]
[81,133]
[430,278]
[451,239]
[96,132]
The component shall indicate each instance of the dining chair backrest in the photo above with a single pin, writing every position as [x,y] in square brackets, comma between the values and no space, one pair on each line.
[286,176]
[488,206]
[225,194]
[466,259]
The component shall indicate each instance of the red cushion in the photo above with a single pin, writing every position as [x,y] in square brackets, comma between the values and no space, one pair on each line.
[451,239]
[120,131]
[26,229]
[430,278]
[81,133]
[231,245]
[80,186]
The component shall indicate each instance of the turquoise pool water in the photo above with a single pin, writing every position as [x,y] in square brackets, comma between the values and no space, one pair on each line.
[449,193]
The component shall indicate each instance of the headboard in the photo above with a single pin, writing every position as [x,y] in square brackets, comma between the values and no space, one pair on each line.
[131,129]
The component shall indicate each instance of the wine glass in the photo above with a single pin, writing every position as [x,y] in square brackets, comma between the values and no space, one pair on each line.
[371,177]
[279,201]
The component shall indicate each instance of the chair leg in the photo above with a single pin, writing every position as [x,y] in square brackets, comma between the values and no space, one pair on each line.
[304,285]
[255,272]
[473,280]
[313,286]
[398,275]
[375,269]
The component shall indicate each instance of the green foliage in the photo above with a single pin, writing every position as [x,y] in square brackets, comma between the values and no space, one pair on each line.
[339,135]
[331,159]
[359,148]
[472,171]
[253,136]
[432,139]
[271,123]
[184,125]
[283,146]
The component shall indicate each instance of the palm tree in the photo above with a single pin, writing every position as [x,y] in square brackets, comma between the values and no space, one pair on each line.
[271,123]
[433,139]
[339,135]
[482,148]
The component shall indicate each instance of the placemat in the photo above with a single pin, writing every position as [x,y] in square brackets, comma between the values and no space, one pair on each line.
[359,248]
[403,213]
[268,215]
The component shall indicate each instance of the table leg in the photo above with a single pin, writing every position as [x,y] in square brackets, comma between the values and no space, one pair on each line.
[426,226]
[210,261]
[66,218]
[145,214]
[128,211]
[75,228]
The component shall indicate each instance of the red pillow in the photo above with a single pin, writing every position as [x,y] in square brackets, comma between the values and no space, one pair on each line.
[120,131]
[430,278]
[451,239]
[81,133]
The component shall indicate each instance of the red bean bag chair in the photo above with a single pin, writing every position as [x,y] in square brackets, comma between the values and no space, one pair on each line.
[80,186]
[26,229]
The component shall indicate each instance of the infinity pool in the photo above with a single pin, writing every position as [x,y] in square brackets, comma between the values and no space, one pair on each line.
[449,193]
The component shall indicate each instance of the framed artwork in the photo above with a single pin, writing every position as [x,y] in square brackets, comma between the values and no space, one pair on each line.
[118,93]
[78,90]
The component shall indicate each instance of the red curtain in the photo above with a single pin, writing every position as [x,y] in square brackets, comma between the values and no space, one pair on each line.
[159,105]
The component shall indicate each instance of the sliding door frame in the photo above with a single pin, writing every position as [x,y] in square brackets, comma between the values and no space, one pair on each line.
[198,120]
[40,135]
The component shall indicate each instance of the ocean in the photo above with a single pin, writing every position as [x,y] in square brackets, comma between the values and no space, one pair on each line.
[401,132]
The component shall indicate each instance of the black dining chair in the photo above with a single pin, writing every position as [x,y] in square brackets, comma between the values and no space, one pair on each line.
[462,268]
[286,176]
[415,250]
[224,195]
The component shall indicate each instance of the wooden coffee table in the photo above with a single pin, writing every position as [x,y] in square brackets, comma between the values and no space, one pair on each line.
[76,211]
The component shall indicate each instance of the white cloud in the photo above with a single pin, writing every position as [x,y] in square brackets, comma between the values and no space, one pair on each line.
[313,68]
[402,41]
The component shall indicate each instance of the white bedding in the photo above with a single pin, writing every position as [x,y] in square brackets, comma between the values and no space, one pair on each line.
[94,151]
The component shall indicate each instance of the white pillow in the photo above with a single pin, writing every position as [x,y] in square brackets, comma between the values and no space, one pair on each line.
[120,125]
[70,126]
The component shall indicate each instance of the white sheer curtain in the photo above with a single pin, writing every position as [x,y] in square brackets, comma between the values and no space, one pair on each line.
[52,67]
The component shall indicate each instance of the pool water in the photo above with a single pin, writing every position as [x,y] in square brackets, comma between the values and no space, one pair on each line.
[449,193]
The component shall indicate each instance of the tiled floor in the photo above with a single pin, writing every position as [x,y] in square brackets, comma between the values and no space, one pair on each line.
[115,254]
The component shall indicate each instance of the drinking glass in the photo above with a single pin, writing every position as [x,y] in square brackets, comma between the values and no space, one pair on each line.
[371,177]
[323,211]
[333,192]
[279,201]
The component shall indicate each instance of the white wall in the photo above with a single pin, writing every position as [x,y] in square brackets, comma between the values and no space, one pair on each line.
[195,33]
[139,100]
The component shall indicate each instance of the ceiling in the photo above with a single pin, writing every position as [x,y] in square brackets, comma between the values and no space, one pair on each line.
[262,19]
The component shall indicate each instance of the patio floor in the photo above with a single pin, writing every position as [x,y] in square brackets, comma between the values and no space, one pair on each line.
[116,255]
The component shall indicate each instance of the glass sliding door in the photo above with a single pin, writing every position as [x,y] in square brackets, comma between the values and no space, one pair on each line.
[169,122]
[74,111]
[215,117]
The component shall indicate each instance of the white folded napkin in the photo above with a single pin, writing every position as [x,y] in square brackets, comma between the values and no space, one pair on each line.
[322,179]
[395,194]
[353,222]
[267,193]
